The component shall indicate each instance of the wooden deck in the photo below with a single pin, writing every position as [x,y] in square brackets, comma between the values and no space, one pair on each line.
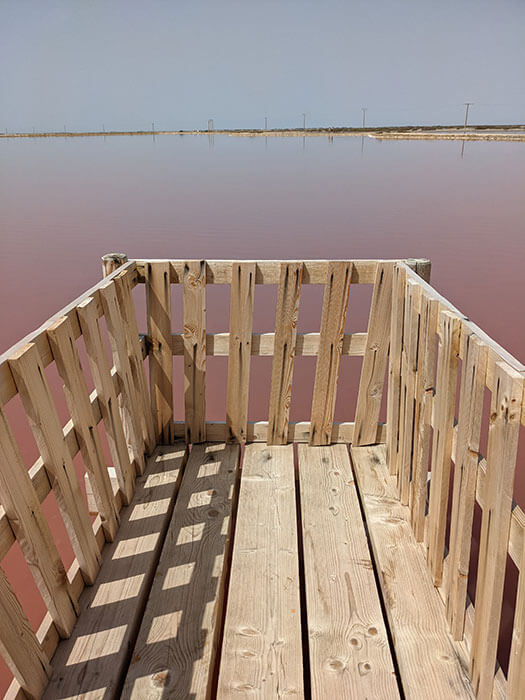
[291,574]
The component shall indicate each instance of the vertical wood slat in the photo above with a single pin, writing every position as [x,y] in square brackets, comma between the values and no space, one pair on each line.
[32,532]
[445,400]
[335,304]
[408,387]
[394,368]
[158,305]
[107,398]
[473,374]
[129,402]
[375,359]
[240,350]
[502,448]
[423,413]
[286,316]
[28,372]
[19,645]
[64,351]
[194,298]
[516,674]
[127,309]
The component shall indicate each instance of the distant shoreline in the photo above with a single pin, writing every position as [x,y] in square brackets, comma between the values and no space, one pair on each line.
[485,132]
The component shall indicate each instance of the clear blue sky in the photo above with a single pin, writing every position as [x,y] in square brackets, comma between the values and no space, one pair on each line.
[84,63]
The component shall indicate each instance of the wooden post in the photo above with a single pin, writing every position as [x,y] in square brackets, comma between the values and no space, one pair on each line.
[194,299]
[112,261]
[394,429]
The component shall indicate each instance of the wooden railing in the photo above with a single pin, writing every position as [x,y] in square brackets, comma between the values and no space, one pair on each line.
[426,435]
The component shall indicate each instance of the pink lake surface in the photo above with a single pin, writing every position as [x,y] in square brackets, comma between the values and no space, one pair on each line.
[64,203]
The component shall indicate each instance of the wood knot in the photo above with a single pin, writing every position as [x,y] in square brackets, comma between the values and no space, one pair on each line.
[160,679]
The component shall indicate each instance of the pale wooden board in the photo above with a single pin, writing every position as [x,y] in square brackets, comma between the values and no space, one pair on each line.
[473,371]
[375,360]
[121,453]
[68,364]
[19,645]
[393,405]
[504,426]
[428,659]
[261,653]
[516,673]
[96,656]
[194,299]
[349,651]
[335,304]
[41,411]
[22,505]
[263,344]
[286,316]
[241,319]
[158,311]
[176,648]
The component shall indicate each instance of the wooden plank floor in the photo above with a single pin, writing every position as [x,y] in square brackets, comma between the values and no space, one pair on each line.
[280,576]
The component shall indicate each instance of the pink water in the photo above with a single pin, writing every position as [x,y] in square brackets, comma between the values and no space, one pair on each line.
[64,203]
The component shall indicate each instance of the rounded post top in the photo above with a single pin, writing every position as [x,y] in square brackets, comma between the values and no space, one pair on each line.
[112,261]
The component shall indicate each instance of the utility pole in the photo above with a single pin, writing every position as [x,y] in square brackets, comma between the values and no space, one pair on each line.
[153,126]
[363,109]
[266,123]
[304,121]
[467,105]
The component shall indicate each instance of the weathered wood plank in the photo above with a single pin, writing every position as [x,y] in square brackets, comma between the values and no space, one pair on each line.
[158,309]
[505,414]
[516,674]
[284,352]
[178,638]
[428,659]
[38,402]
[423,414]
[121,454]
[77,397]
[241,319]
[375,359]
[22,507]
[473,372]
[128,402]
[127,310]
[194,298]
[349,651]
[445,401]
[335,303]
[19,645]
[96,656]
[393,406]
[261,652]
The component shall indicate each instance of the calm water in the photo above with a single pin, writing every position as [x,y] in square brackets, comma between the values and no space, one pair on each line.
[64,203]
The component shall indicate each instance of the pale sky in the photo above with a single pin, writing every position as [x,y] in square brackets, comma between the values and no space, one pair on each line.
[125,63]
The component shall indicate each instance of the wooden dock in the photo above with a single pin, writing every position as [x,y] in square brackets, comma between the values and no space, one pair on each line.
[269,558]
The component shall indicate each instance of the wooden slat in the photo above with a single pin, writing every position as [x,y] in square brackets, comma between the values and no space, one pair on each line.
[158,310]
[423,413]
[127,310]
[473,371]
[178,638]
[261,652]
[394,367]
[430,663]
[445,401]
[286,315]
[516,674]
[505,414]
[375,360]
[107,398]
[19,645]
[129,403]
[94,660]
[40,408]
[22,507]
[77,396]
[408,388]
[241,318]
[335,303]
[194,298]
[349,651]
